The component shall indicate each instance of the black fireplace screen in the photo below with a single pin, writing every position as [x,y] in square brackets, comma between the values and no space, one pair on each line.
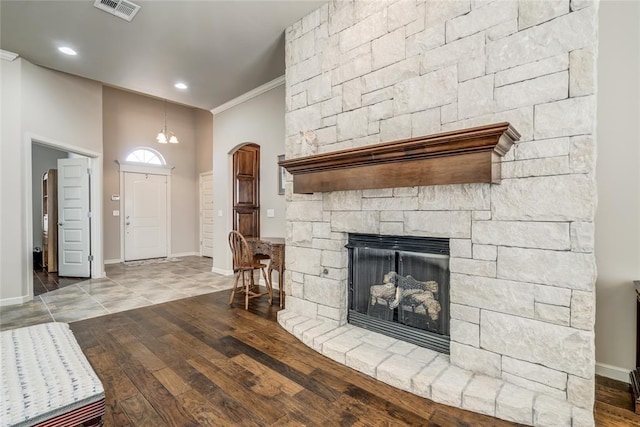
[399,286]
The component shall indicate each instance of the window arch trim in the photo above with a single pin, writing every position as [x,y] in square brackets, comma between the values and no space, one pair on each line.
[147,156]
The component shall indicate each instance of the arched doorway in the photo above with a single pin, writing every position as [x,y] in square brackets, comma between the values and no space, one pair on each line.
[246,190]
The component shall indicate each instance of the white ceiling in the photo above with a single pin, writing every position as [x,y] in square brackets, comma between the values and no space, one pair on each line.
[221,49]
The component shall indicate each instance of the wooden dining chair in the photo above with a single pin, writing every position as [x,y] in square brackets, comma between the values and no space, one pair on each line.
[244,263]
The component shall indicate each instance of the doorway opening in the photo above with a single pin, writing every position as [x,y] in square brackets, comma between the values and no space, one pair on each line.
[145,192]
[246,190]
[206,214]
[60,205]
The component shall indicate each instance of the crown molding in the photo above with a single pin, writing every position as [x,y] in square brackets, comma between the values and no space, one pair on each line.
[7,56]
[278,81]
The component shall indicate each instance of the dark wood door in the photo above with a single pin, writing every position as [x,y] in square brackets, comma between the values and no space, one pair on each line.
[246,190]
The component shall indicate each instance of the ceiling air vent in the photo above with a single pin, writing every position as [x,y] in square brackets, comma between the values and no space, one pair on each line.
[120,8]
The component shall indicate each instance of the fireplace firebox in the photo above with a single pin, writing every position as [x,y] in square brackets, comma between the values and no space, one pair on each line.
[399,286]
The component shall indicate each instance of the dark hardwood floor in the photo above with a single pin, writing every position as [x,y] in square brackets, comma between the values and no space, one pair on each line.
[197,361]
[614,404]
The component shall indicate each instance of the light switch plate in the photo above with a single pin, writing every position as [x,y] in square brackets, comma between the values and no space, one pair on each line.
[116,213]
[219,213]
[271,213]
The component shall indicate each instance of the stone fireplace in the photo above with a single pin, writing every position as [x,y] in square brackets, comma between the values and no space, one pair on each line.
[521,263]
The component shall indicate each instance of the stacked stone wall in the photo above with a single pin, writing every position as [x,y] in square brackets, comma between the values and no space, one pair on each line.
[522,263]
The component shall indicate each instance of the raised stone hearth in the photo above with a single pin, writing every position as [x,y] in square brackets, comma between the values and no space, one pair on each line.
[430,374]
[522,268]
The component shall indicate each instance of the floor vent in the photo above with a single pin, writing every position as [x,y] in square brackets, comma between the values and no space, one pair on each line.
[120,8]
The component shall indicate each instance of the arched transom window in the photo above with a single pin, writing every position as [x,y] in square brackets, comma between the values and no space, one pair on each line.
[146,156]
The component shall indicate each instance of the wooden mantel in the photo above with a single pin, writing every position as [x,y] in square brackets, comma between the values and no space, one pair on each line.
[458,157]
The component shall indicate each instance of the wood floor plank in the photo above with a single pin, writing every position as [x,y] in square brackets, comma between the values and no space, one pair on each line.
[115,416]
[141,412]
[308,408]
[420,410]
[277,349]
[448,416]
[236,347]
[188,346]
[113,375]
[199,361]
[149,360]
[202,410]
[607,415]
[159,397]
[260,406]
[272,378]
[171,381]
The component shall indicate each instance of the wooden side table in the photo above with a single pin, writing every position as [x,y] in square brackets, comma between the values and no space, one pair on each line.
[273,249]
[634,376]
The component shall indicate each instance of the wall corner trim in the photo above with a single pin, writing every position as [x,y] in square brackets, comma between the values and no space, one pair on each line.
[278,81]
[8,56]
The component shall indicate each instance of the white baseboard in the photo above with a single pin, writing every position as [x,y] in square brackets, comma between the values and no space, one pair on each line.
[14,301]
[180,254]
[613,372]
[222,271]
[112,261]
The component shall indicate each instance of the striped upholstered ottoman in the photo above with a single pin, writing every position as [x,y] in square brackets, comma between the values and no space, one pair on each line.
[46,380]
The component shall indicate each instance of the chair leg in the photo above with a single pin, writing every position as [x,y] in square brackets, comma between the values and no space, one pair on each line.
[235,286]
[268,284]
[247,289]
[281,288]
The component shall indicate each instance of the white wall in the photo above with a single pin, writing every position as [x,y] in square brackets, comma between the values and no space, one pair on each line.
[62,107]
[12,262]
[618,175]
[259,120]
[55,109]
[132,121]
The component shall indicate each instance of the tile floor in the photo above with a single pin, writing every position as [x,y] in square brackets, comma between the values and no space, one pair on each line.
[124,288]
[44,281]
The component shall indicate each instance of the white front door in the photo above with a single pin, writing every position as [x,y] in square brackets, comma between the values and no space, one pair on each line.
[206,214]
[73,218]
[145,216]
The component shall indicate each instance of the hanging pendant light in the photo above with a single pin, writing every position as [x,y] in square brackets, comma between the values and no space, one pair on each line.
[165,136]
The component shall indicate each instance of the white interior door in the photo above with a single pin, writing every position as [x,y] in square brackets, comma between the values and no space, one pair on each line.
[145,216]
[73,218]
[206,214]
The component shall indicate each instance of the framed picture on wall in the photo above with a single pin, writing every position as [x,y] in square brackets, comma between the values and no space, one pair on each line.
[281,176]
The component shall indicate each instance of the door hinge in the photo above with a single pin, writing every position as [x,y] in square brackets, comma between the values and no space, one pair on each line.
[89,214]
[90,257]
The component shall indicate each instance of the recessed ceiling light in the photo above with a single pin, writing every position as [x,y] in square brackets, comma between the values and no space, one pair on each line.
[180,85]
[67,50]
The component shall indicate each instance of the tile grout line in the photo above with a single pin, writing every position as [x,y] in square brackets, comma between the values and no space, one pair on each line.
[47,307]
[99,303]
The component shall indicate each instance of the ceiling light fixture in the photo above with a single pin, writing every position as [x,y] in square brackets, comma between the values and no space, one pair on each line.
[180,85]
[67,51]
[165,136]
